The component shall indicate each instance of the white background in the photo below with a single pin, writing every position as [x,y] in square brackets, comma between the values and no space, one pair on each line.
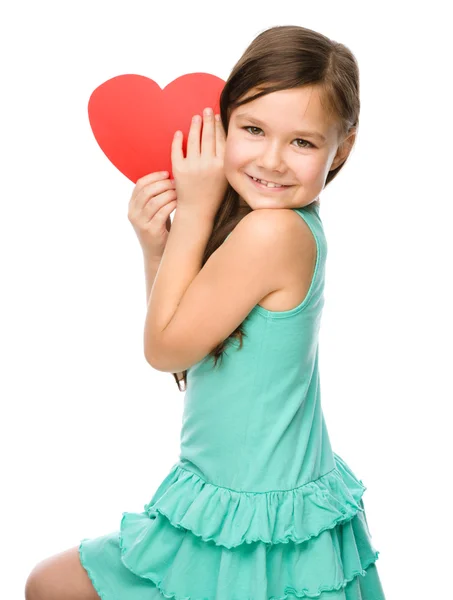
[88,428]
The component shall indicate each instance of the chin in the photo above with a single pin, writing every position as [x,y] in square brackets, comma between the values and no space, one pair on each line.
[258,204]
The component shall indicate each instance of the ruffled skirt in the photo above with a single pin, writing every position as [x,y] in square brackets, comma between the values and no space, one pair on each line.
[198,541]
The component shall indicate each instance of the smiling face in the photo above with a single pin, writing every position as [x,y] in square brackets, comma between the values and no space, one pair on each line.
[273,138]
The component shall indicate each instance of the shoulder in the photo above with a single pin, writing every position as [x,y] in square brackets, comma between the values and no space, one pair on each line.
[280,231]
[277,242]
[268,222]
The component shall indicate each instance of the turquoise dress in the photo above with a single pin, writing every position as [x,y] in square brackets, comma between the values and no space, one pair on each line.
[258,506]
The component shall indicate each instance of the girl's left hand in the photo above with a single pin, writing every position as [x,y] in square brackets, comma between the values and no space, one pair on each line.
[199,178]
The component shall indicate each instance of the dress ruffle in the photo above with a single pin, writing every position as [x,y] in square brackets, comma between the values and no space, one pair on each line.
[261,546]
[230,518]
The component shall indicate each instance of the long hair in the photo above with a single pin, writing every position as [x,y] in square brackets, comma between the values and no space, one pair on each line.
[281,58]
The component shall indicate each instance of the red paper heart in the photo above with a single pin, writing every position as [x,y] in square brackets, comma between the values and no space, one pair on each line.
[134,120]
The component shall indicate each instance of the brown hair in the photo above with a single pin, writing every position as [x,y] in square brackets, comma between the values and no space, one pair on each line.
[279,58]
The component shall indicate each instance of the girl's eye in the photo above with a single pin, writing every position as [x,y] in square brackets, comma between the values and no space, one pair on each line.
[310,145]
[251,127]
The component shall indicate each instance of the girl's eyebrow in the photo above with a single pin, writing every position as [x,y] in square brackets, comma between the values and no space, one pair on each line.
[261,124]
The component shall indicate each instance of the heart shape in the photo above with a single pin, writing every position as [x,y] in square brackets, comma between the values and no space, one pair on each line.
[134,120]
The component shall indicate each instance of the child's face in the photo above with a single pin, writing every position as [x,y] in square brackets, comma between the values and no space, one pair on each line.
[271,150]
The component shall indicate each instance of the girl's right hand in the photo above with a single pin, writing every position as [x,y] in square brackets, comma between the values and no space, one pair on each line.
[153,200]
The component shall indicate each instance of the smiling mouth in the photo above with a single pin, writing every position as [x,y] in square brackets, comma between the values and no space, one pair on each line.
[269,184]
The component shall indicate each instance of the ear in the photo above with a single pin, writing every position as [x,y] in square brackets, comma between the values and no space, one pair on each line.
[344,149]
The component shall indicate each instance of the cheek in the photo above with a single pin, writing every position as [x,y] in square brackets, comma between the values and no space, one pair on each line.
[235,154]
[229,164]
[309,170]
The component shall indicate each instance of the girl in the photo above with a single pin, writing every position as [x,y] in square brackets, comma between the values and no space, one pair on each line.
[258,506]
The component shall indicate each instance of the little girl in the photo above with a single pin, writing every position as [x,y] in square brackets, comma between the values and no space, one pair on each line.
[258,506]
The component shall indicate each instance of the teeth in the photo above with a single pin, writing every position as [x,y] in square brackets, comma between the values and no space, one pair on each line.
[266,183]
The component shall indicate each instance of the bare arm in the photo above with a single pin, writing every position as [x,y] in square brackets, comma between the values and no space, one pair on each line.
[151,265]
[180,264]
[203,306]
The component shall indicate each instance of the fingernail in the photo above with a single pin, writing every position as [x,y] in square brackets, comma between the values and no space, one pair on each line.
[217,117]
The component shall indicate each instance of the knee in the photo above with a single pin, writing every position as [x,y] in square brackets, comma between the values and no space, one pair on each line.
[33,585]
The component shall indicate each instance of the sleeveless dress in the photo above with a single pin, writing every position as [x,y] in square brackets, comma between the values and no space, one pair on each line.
[258,506]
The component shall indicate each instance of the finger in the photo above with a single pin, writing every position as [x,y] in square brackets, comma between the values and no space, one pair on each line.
[220,137]
[151,210]
[150,191]
[150,178]
[177,154]
[193,139]
[208,141]
[156,188]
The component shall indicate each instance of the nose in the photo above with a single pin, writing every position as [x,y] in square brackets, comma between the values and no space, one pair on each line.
[270,158]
